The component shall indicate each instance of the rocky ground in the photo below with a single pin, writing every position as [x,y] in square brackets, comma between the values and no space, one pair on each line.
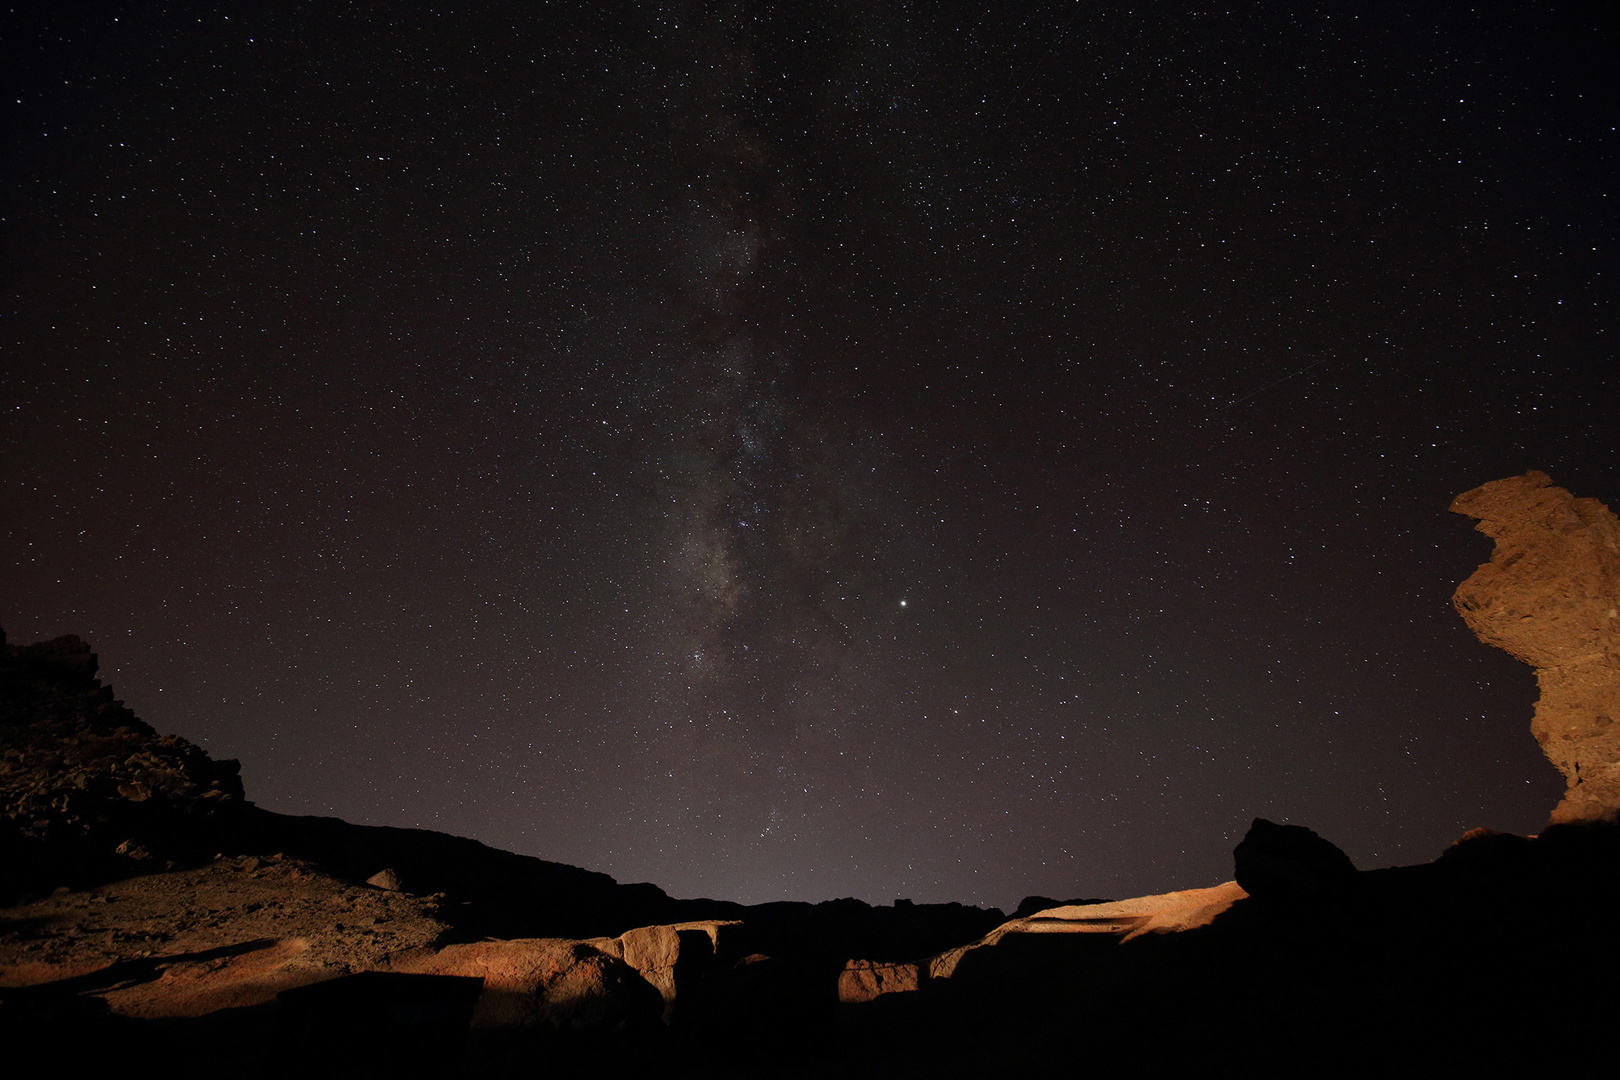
[232,933]
[1303,966]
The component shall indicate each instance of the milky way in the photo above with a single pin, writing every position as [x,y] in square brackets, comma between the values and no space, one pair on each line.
[775,525]
[941,451]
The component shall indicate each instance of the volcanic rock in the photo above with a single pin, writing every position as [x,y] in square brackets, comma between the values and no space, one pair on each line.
[1550,596]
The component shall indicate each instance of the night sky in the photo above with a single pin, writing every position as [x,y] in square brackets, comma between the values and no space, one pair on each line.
[914,450]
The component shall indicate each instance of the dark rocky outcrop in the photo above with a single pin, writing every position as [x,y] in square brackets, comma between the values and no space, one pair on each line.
[834,930]
[1290,864]
[1550,596]
[88,791]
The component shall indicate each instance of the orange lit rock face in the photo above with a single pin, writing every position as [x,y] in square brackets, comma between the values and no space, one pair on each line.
[1550,596]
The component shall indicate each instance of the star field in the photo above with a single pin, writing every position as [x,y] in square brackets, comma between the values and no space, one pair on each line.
[794,451]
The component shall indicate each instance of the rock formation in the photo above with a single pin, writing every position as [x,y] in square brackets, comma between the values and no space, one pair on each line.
[87,790]
[600,985]
[1550,596]
[230,934]
[1290,863]
[1006,947]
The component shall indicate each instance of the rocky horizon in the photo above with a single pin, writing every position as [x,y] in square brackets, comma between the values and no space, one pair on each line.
[151,900]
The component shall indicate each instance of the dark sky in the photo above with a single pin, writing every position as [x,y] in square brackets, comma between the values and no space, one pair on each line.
[795,451]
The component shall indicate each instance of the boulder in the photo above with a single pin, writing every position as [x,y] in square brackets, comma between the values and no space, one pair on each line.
[1550,596]
[556,983]
[386,879]
[668,956]
[1290,863]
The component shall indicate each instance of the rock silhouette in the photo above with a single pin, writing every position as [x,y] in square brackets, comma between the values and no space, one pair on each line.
[89,791]
[1290,863]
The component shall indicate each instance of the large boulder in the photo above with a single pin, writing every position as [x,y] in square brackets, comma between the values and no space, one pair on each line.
[555,983]
[1550,596]
[670,957]
[1290,863]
